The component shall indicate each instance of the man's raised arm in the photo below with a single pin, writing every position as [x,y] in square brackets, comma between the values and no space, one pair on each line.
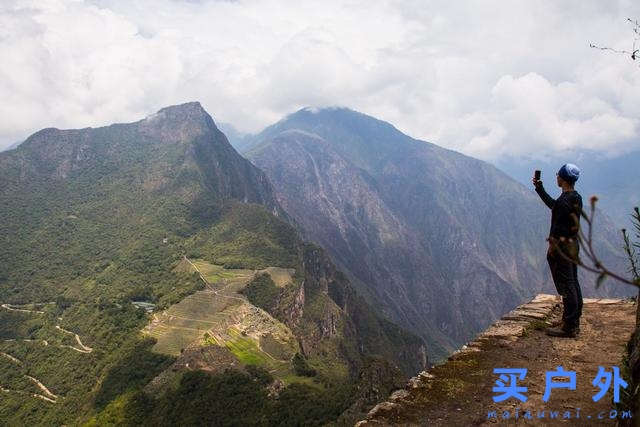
[546,198]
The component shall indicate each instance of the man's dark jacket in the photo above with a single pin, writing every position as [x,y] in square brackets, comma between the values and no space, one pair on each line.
[563,223]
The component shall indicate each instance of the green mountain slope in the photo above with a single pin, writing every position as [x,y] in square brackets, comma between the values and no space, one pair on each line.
[93,219]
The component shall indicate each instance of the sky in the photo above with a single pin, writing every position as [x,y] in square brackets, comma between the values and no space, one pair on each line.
[491,79]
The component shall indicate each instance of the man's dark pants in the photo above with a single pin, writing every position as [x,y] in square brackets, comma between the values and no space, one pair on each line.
[565,278]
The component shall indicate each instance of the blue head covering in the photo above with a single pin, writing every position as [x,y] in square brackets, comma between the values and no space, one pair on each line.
[569,172]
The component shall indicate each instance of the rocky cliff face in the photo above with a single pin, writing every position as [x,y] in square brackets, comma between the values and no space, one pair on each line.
[348,315]
[444,243]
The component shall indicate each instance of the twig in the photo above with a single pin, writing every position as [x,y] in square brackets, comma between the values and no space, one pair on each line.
[635,53]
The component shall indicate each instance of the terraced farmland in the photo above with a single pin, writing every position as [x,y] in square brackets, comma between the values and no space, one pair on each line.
[187,321]
[221,316]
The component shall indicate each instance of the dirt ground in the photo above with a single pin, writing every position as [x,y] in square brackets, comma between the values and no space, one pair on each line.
[460,393]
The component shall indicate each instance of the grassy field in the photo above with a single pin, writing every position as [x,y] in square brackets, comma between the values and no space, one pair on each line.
[247,350]
[215,274]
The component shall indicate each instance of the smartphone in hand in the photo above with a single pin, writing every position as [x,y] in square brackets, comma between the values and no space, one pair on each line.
[536,174]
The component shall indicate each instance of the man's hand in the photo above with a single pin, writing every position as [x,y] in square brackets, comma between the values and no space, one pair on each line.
[536,182]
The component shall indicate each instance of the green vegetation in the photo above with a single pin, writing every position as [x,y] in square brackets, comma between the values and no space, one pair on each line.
[263,292]
[229,398]
[94,229]
[246,349]
[247,236]
[301,367]
[120,360]
[218,273]
[97,218]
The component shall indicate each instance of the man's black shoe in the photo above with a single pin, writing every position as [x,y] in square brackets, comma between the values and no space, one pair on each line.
[555,323]
[560,332]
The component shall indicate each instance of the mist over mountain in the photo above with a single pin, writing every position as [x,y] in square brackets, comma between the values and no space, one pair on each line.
[238,140]
[11,147]
[442,242]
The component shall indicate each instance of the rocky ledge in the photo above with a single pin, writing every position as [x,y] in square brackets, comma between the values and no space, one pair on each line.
[459,390]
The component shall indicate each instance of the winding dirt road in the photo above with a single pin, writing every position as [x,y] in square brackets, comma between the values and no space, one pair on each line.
[48,396]
[83,348]
[10,357]
[42,387]
[12,308]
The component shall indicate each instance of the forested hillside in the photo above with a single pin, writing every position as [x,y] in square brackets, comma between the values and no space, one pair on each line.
[95,220]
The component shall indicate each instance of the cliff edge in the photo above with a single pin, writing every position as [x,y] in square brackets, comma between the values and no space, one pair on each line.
[460,391]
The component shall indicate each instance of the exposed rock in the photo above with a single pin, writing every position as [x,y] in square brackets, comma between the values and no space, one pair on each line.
[296,310]
[384,409]
[399,395]
[275,388]
[502,332]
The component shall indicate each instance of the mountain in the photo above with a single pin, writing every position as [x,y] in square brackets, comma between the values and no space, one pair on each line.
[614,180]
[238,140]
[116,187]
[11,147]
[443,243]
[148,270]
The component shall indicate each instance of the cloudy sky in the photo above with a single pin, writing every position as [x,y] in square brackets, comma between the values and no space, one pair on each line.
[488,78]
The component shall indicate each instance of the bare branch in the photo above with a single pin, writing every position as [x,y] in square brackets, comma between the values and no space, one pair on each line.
[635,52]
[586,243]
[609,48]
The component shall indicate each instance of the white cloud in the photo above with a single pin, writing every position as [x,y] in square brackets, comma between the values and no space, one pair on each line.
[486,78]
[529,115]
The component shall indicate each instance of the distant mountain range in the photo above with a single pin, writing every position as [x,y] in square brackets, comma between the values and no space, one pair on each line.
[613,179]
[443,243]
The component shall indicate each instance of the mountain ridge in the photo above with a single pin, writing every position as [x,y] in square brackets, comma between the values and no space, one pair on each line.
[457,219]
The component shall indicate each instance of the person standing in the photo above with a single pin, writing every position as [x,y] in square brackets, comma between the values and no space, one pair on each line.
[563,236]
